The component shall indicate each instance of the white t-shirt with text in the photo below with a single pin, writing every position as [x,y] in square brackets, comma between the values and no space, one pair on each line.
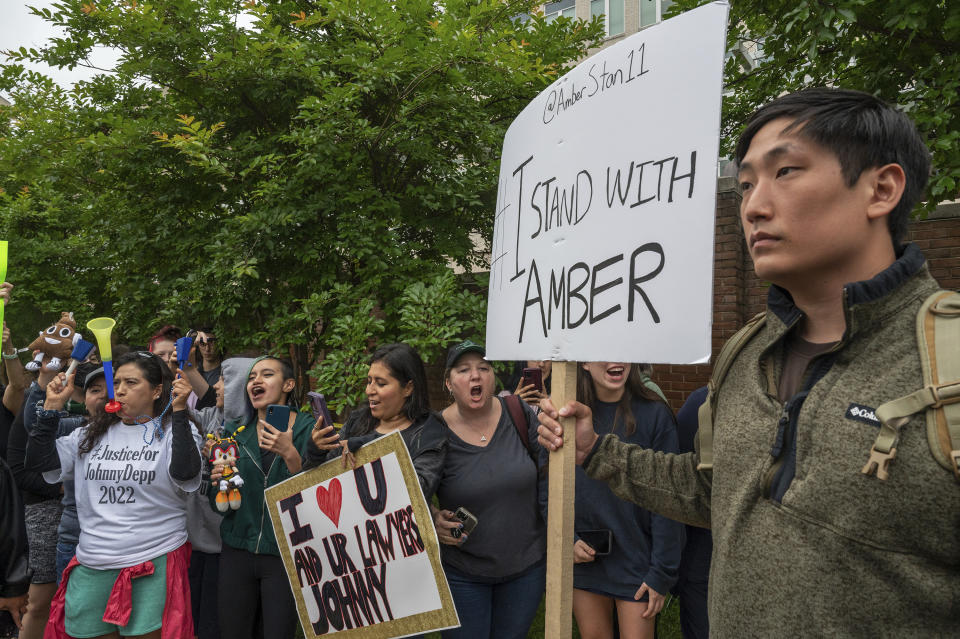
[129,507]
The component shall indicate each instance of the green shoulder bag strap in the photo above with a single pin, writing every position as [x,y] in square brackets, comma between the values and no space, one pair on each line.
[938,341]
[721,367]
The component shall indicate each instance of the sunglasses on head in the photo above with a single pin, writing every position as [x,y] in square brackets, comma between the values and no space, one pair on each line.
[208,340]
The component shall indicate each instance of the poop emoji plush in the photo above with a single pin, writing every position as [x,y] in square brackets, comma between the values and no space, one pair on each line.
[224,451]
[55,344]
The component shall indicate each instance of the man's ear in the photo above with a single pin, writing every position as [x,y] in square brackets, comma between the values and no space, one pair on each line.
[887,183]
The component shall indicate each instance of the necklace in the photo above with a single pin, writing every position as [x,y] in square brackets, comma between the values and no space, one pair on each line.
[478,431]
[155,422]
[465,425]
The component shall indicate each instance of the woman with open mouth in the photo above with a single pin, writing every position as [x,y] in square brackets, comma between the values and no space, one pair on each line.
[626,557]
[494,551]
[397,401]
[251,573]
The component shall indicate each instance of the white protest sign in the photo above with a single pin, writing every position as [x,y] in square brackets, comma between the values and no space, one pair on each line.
[360,549]
[603,239]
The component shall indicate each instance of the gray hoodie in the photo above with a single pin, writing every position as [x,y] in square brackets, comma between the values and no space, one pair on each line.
[203,523]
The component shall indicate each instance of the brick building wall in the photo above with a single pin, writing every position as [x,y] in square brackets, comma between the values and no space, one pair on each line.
[738,294]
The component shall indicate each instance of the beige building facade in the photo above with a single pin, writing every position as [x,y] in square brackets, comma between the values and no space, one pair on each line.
[621,17]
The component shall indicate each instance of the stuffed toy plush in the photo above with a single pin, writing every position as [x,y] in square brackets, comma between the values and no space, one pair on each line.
[54,345]
[224,451]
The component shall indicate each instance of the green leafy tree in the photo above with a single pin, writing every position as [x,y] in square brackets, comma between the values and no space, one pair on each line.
[440,312]
[905,51]
[282,180]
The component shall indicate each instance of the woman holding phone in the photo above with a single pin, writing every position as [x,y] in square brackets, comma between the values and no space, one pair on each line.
[252,578]
[397,401]
[533,381]
[496,570]
[627,558]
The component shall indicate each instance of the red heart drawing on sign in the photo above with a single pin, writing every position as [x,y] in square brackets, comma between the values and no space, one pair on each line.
[330,499]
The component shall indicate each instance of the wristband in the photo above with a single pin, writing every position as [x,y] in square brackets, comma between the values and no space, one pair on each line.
[49,413]
[14,355]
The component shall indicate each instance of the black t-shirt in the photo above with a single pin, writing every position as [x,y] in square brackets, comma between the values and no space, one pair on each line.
[498,484]
[209,398]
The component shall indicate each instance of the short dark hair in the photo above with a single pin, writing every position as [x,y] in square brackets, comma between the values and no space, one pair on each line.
[405,366]
[861,130]
[218,347]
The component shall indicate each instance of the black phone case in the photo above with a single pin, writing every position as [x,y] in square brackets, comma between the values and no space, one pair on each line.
[600,540]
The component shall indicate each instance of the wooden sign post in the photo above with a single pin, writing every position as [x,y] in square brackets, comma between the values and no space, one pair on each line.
[560,512]
[603,237]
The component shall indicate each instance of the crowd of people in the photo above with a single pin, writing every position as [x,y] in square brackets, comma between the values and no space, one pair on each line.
[122,524]
[201,564]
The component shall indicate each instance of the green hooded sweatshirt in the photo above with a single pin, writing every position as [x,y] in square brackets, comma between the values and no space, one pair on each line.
[250,528]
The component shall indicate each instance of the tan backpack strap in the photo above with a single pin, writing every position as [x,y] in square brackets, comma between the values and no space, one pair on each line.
[721,367]
[938,342]
[942,333]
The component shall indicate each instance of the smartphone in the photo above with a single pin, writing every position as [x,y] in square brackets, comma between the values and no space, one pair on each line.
[533,376]
[599,540]
[278,416]
[318,406]
[468,520]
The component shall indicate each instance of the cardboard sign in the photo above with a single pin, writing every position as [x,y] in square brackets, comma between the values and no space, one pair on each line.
[603,238]
[360,549]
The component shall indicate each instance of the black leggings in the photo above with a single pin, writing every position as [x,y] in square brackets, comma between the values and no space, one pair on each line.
[251,583]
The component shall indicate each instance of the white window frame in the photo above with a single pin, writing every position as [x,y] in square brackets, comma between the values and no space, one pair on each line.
[606,17]
[640,13]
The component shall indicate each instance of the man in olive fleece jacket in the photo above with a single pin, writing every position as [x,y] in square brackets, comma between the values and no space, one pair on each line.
[805,544]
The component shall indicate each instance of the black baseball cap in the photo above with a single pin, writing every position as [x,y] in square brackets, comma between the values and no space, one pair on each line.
[461,349]
[92,376]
